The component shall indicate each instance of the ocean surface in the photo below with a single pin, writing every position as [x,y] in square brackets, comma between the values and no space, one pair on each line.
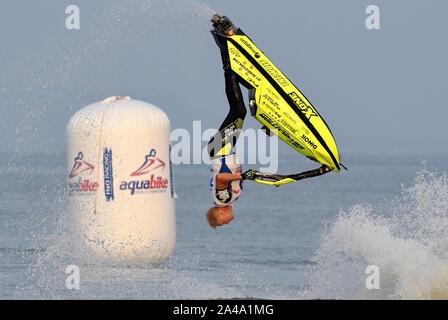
[312,239]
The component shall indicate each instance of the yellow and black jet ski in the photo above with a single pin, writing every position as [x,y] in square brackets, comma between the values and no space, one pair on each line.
[274,100]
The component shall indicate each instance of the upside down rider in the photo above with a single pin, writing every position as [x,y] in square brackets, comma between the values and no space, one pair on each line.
[227,179]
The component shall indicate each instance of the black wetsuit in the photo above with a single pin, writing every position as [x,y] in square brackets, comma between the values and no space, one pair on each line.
[224,141]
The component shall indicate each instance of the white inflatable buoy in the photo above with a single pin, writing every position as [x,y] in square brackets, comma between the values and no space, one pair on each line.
[120,180]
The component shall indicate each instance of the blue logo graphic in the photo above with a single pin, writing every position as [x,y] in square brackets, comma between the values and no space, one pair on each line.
[150,159]
[108,175]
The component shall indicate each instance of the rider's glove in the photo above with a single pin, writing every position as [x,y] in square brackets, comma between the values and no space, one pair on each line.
[249,175]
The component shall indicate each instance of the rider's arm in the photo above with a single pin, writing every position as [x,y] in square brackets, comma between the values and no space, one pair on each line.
[223,179]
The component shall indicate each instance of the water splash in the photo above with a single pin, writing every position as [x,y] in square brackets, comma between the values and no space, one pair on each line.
[35,93]
[406,238]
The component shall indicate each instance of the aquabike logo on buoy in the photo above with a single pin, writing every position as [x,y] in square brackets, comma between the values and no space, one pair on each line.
[81,169]
[155,183]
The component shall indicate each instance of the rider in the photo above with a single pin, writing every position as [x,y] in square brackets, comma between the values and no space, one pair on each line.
[227,178]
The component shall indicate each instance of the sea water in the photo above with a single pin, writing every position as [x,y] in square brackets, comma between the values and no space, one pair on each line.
[311,239]
[307,240]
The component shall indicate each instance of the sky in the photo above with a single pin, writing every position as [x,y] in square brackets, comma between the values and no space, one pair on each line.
[380,91]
